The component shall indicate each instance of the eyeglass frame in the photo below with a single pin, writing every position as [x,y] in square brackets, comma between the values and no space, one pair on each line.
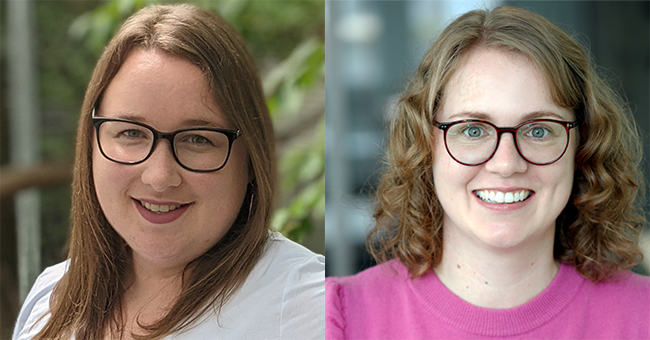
[232,135]
[501,130]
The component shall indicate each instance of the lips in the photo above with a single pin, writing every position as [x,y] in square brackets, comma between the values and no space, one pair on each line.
[162,208]
[160,212]
[503,197]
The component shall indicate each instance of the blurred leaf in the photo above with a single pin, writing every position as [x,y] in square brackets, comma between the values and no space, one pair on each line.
[287,83]
[228,9]
[81,26]
[291,68]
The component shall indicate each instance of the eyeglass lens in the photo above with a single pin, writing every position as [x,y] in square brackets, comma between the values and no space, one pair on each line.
[538,142]
[200,150]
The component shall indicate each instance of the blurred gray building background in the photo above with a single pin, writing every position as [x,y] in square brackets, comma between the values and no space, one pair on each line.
[374,46]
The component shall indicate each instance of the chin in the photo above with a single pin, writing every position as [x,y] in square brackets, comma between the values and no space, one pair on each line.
[501,236]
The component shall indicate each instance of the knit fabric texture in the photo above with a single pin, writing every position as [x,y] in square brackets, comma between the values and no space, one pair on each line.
[383,302]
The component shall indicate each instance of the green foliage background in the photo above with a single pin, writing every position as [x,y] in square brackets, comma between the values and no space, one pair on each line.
[287,41]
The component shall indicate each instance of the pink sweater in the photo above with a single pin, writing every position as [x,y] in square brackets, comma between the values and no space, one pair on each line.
[380,303]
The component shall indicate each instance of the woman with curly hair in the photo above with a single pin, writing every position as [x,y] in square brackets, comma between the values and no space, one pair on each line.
[509,205]
[173,191]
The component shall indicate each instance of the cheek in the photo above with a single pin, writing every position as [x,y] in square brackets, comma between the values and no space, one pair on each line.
[230,182]
[110,179]
[101,168]
[450,178]
[238,164]
[558,178]
[441,159]
[100,172]
[566,176]
[567,164]
[102,176]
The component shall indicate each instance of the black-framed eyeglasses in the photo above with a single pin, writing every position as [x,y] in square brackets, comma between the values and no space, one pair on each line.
[195,149]
[473,141]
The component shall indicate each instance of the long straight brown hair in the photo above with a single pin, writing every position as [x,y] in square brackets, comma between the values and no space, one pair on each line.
[86,302]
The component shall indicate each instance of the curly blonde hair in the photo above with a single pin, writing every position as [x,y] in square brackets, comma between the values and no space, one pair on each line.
[598,230]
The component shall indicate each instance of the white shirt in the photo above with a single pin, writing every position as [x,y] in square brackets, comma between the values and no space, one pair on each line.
[282,298]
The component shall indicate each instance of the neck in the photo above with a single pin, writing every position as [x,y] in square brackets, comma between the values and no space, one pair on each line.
[154,273]
[152,291]
[496,278]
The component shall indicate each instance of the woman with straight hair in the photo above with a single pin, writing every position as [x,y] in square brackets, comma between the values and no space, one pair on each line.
[173,189]
[510,205]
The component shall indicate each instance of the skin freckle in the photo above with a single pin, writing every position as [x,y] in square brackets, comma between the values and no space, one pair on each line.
[458,266]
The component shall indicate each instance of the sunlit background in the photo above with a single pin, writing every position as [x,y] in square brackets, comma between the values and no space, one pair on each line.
[374,46]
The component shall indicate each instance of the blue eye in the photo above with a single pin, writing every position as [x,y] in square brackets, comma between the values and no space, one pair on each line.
[473,131]
[132,134]
[203,140]
[539,133]
[199,140]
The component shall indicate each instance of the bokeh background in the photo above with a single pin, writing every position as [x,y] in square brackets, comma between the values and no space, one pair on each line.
[48,50]
[374,46]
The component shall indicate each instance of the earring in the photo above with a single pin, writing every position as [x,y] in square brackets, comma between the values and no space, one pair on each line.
[250,206]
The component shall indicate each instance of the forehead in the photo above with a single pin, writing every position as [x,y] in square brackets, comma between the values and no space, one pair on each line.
[501,85]
[155,86]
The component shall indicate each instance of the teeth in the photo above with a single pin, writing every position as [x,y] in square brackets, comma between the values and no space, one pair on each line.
[502,197]
[159,208]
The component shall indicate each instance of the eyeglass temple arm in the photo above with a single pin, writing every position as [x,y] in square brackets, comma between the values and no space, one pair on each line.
[441,126]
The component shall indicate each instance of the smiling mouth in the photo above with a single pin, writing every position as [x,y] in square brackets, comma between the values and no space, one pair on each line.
[160,209]
[498,197]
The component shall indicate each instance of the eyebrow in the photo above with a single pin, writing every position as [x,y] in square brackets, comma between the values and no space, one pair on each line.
[526,117]
[185,123]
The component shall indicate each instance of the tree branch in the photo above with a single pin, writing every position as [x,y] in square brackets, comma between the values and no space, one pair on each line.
[13,179]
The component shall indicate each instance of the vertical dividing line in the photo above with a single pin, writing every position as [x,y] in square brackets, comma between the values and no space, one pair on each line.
[337,174]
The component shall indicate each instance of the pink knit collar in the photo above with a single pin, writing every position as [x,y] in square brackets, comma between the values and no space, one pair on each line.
[501,322]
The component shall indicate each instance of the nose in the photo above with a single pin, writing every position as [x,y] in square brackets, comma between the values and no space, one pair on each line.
[161,171]
[506,160]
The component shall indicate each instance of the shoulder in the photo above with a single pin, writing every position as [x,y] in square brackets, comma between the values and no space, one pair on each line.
[303,291]
[625,286]
[615,308]
[299,272]
[385,277]
[282,298]
[622,285]
[287,268]
[37,303]
[364,298]
[294,267]
[281,251]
